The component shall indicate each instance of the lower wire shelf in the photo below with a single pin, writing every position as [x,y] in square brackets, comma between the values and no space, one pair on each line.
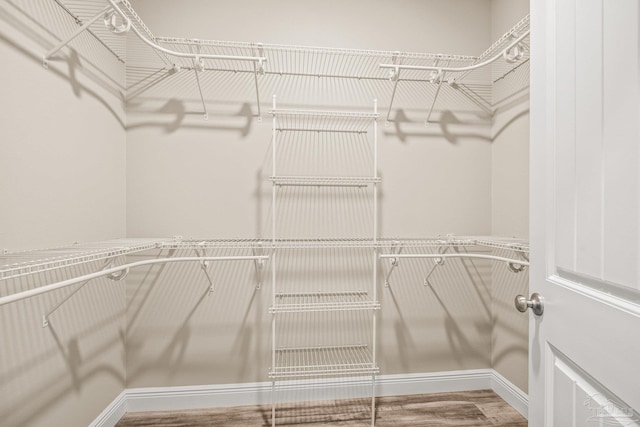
[300,302]
[323,361]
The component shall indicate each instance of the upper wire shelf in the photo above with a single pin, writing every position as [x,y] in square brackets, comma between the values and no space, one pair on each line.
[515,245]
[519,56]
[309,61]
[108,20]
[16,264]
[82,11]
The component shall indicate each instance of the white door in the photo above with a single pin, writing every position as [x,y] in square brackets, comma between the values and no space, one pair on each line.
[584,367]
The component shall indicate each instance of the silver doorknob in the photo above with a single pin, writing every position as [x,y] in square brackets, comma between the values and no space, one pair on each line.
[536,304]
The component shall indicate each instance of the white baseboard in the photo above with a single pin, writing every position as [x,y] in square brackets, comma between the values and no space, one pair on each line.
[511,394]
[208,396]
[112,413]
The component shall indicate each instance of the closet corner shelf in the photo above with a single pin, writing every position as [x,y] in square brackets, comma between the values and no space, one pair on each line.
[512,244]
[320,181]
[16,264]
[302,302]
[323,361]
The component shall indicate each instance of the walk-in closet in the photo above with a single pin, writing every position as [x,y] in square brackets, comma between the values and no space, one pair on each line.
[268,213]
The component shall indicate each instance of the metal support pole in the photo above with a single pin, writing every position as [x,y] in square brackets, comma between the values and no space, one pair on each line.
[198,65]
[273,263]
[375,262]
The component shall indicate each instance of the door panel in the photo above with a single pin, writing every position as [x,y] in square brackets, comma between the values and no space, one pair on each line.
[597,150]
[621,158]
[585,232]
[590,402]
[588,142]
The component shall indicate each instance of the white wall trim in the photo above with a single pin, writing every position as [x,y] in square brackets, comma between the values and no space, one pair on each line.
[511,394]
[203,396]
[112,413]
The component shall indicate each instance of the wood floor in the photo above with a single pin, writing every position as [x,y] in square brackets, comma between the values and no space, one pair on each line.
[481,408]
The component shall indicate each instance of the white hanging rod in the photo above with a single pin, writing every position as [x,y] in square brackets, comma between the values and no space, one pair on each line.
[440,256]
[494,58]
[123,269]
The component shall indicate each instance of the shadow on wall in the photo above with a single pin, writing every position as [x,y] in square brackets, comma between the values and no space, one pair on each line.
[442,126]
[192,325]
[74,366]
[40,25]
[178,112]
[510,349]
[440,315]
[180,333]
[228,94]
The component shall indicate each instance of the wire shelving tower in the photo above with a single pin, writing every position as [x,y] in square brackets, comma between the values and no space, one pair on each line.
[306,305]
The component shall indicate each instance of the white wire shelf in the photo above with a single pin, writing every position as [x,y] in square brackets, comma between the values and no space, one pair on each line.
[351,243]
[16,264]
[308,61]
[301,302]
[323,121]
[515,245]
[217,244]
[501,69]
[323,361]
[83,11]
[319,181]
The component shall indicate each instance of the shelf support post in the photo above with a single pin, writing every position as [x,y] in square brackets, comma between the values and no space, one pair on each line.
[395,77]
[258,263]
[258,69]
[440,78]
[395,250]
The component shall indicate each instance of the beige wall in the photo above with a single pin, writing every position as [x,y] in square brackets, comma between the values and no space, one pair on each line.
[62,179]
[510,202]
[207,179]
[62,158]
[63,151]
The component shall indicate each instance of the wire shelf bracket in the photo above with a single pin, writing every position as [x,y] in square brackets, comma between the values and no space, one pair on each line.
[47,56]
[396,248]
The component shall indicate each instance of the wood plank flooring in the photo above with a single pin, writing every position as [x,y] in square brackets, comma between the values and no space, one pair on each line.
[479,408]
